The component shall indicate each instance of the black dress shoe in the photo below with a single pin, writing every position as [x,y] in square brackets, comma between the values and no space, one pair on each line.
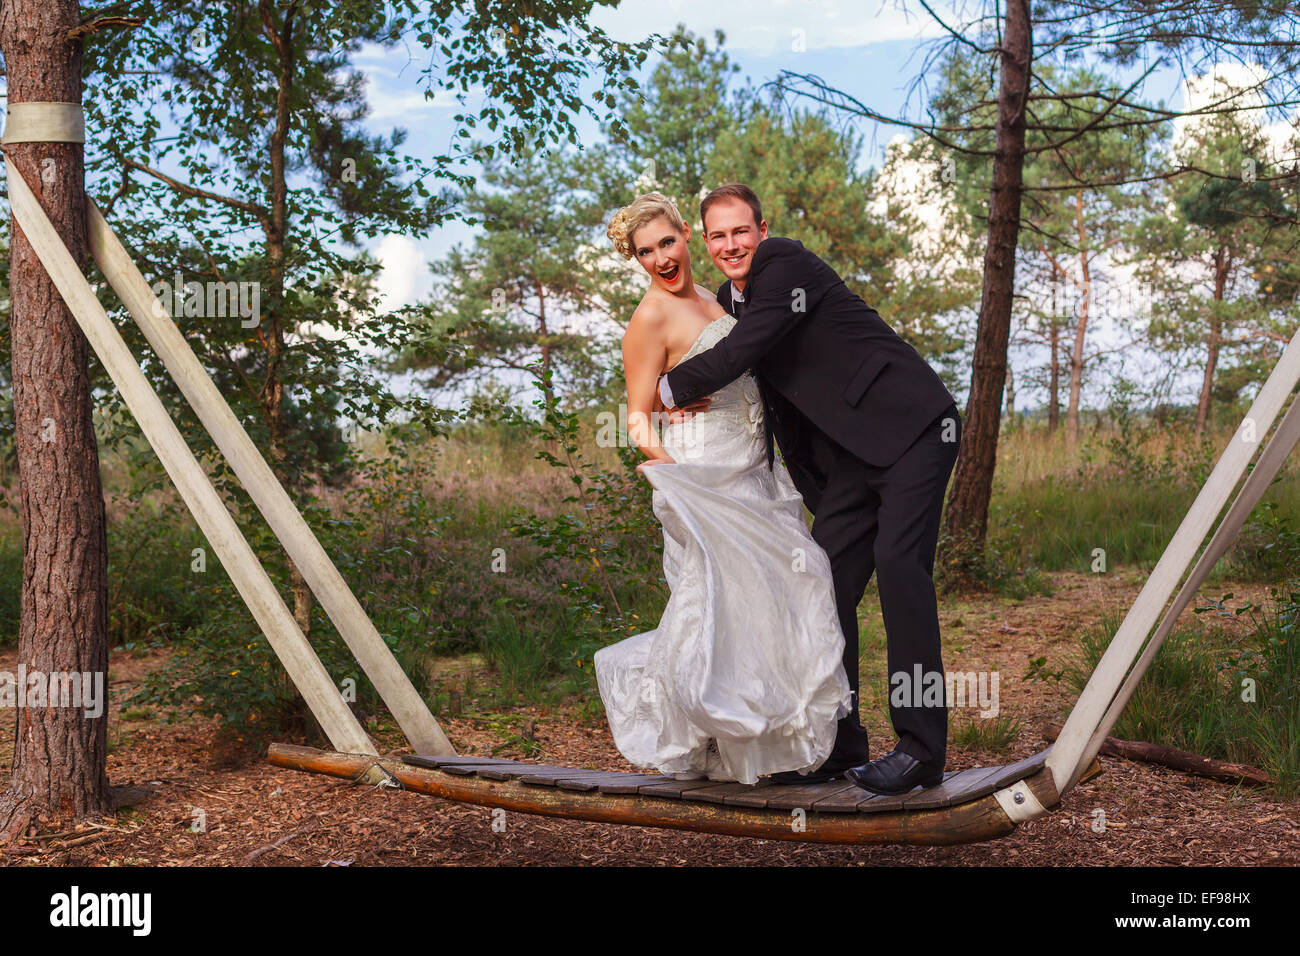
[830,770]
[895,773]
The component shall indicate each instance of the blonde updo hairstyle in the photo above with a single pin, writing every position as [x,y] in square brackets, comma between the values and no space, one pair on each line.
[640,212]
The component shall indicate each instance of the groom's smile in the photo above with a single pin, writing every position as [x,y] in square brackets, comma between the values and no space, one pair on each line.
[732,234]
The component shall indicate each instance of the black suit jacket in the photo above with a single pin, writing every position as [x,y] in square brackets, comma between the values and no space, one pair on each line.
[824,359]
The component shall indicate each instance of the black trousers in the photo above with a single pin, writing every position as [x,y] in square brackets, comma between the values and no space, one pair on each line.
[886,521]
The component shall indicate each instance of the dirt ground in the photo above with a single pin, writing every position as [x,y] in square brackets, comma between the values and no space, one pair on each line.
[261,815]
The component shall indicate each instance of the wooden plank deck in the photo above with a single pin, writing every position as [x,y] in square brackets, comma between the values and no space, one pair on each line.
[833,796]
[960,810]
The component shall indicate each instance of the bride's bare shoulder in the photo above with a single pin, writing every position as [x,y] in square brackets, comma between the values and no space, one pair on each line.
[648,320]
[706,295]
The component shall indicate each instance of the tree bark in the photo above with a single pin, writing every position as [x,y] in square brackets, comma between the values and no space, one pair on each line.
[968,503]
[59,768]
[272,333]
[1011,397]
[1054,387]
[1214,339]
[1080,328]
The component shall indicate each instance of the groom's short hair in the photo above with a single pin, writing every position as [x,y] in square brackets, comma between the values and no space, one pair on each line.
[733,191]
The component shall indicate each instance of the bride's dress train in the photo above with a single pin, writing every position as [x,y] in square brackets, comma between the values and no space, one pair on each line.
[744,675]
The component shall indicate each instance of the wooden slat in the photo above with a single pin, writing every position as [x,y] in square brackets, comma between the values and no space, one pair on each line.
[509,771]
[1020,770]
[862,801]
[956,788]
[733,794]
[803,798]
[551,776]
[879,803]
[505,768]
[433,762]
[673,789]
[837,802]
[629,783]
[587,783]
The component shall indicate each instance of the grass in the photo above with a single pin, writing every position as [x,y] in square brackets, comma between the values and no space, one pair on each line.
[425,535]
[985,733]
[1218,691]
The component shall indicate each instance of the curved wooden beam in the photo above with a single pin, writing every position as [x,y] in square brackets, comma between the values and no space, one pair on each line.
[979,820]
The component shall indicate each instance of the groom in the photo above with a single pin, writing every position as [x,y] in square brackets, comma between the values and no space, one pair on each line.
[869,434]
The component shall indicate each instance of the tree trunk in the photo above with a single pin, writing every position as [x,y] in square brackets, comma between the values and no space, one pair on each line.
[1011,398]
[1080,329]
[1214,341]
[1054,388]
[1054,409]
[543,336]
[59,758]
[272,397]
[968,503]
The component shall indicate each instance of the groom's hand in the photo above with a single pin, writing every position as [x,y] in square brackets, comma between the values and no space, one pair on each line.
[679,413]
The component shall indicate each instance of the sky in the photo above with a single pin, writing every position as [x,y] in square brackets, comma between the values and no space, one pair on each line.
[873,56]
[872,49]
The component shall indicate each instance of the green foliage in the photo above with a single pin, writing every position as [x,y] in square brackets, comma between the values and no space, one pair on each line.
[1003,566]
[1268,546]
[672,127]
[1071,228]
[1195,695]
[1220,225]
[530,288]
[11,584]
[609,542]
[222,666]
[987,733]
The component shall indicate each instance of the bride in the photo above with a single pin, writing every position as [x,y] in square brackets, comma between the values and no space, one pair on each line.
[744,675]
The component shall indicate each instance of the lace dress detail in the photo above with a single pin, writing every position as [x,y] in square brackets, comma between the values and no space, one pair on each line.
[744,674]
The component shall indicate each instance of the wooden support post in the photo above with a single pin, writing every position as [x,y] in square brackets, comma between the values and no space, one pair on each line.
[293,532]
[246,572]
[1067,759]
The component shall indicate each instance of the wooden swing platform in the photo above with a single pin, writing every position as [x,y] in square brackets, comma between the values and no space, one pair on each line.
[962,809]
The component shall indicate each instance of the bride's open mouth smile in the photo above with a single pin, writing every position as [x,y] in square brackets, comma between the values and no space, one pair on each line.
[670,275]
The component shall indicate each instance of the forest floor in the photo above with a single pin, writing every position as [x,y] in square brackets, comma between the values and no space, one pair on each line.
[257,814]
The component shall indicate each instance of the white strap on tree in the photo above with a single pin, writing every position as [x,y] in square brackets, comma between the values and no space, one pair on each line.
[44,123]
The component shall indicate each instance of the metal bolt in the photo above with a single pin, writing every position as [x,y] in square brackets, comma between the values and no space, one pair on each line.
[1019,796]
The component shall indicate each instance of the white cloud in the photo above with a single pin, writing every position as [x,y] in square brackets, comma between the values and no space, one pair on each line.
[389,102]
[773,26]
[405,277]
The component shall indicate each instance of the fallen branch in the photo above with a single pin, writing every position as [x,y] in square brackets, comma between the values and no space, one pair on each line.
[1176,759]
[271,846]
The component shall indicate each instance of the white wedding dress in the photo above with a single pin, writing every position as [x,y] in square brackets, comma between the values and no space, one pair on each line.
[744,675]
